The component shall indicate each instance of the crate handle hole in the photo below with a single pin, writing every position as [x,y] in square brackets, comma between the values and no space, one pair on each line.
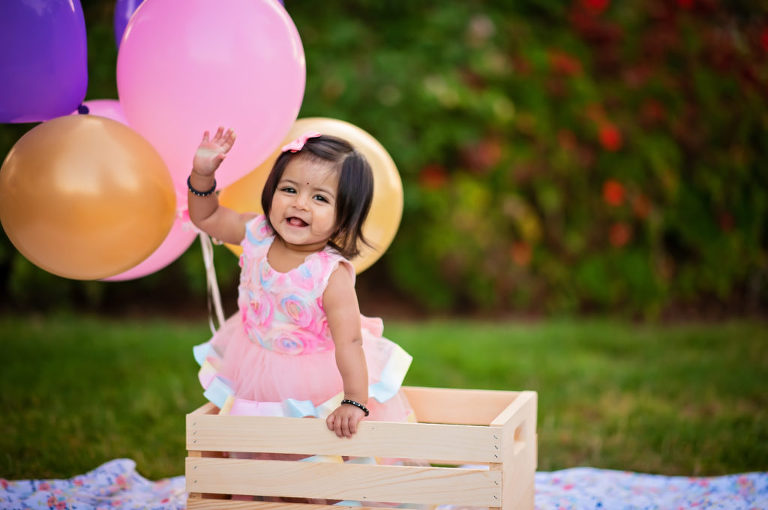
[519,438]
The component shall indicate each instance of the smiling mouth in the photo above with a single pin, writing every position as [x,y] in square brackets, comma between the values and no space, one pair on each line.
[297,222]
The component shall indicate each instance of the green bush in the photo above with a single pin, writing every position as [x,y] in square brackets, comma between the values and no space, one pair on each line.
[597,156]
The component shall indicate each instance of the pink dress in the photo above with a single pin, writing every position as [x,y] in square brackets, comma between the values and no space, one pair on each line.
[275,356]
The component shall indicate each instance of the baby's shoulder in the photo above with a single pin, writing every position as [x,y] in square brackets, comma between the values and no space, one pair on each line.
[329,261]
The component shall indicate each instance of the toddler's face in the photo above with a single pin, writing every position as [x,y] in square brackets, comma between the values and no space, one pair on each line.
[304,204]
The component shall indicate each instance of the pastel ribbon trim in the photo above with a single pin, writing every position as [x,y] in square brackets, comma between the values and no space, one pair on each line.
[392,376]
[218,392]
[206,374]
[242,407]
[201,352]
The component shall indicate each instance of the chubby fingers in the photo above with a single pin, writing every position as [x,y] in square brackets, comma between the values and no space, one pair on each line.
[337,424]
[347,429]
[331,422]
[343,425]
[224,138]
[229,139]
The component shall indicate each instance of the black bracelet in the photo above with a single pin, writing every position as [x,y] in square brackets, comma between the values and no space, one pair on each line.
[200,193]
[356,404]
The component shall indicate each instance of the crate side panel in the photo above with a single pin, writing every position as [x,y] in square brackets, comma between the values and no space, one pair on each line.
[516,409]
[459,443]
[401,484]
[526,500]
[519,450]
[457,406]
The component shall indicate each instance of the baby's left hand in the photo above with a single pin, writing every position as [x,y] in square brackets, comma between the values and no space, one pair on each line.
[343,421]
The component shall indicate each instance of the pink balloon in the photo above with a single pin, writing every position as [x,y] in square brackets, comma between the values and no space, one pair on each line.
[176,243]
[186,67]
[109,108]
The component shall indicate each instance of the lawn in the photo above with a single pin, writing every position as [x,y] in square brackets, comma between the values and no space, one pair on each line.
[689,399]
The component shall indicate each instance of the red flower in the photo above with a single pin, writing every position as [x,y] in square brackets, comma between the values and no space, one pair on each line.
[596,5]
[610,137]
[521,253]
[483,155]
[613,192]
[620,234]
[764,39]
[685,4]
[564,63]
[433,176]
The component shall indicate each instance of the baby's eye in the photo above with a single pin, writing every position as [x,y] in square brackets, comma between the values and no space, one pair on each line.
[288,189]
[320,198]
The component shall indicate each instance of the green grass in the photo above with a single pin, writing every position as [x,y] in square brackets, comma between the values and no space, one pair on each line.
[688,399]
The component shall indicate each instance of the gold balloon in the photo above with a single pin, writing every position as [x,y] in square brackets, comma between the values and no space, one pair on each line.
[387,206]
[85,197]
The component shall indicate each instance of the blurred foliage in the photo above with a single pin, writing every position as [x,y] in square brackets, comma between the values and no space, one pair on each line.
[556,157]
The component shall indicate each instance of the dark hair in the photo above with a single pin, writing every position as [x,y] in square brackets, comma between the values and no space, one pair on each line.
[354,196]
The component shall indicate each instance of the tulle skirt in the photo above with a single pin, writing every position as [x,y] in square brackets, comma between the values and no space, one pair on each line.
[242,377]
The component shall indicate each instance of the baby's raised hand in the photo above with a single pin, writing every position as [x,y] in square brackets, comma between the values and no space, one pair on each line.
[211,152]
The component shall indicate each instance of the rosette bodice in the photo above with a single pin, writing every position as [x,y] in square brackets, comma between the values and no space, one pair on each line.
[283,312]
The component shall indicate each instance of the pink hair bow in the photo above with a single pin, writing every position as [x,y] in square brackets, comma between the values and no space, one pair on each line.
[298,144]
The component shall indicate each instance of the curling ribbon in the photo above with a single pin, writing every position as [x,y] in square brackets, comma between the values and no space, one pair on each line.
[213,295]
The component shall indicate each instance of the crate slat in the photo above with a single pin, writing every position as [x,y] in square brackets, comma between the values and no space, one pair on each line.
[204,504]
[400,484]
[445,443]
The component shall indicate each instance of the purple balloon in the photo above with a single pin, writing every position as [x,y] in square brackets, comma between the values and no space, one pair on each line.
[124,9]
[43,62]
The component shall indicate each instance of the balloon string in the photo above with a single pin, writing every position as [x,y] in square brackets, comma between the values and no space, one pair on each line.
[213,295]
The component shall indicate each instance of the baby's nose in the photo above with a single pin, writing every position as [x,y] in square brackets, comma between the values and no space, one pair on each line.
[302,200]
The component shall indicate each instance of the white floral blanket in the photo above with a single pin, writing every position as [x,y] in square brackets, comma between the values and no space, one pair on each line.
[116,484]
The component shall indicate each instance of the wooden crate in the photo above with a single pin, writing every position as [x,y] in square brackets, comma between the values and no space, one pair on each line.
[491,433]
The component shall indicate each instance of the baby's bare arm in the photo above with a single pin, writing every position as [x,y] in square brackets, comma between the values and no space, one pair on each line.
[343,312]
[205,212]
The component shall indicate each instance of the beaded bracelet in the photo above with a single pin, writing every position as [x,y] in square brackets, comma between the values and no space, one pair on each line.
[200,193]
[356,404]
